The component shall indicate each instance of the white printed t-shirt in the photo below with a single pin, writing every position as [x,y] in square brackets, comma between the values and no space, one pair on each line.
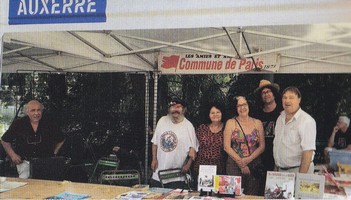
[173,142]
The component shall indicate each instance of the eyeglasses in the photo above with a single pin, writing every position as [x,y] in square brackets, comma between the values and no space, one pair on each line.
[266,92]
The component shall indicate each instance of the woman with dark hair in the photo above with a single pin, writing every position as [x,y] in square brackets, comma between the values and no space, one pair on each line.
[210,137]
[244,143]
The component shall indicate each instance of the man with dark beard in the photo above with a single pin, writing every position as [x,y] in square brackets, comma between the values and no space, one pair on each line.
[269,109]
[173,141]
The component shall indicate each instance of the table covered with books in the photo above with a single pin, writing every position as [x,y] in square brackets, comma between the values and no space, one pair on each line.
[15,188]
[43,189]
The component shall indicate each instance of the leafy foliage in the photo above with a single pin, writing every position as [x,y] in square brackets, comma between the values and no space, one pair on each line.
[101,110]
[324,96]
[107,109]
[197,91]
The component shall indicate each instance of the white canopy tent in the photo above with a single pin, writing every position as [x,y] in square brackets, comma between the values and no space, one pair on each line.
[168,14]
[317,48]
[309,36]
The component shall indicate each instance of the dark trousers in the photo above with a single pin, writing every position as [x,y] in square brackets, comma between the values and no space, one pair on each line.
[249,183]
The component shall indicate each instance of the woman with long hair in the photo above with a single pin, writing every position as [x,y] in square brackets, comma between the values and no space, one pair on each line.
[244,143]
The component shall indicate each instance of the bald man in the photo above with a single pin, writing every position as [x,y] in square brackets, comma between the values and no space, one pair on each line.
[34,136]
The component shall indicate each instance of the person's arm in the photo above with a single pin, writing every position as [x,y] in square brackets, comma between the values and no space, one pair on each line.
[227,143]
[187,165]
[308,134]
[192,153]
[261,144]
[194,143]
[154,141]
[154,162]
[332,137]
[58,147]
[261,140]
[11,153]
[306,161]
[348,140]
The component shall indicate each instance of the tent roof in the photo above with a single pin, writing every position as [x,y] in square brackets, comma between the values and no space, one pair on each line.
[169,14]
[311,37]
[67,52]
[317,48]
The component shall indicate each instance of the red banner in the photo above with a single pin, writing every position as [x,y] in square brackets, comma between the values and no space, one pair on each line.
[188,63]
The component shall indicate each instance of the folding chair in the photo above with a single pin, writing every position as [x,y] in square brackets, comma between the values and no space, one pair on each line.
[104,163]
[120,177]
[170,175]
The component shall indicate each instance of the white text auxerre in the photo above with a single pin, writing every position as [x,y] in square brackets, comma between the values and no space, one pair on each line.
[49,7]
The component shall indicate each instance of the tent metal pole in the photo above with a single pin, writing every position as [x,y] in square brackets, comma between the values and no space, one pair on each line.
[130,49]
[155,75]
[176,44]
[231,41]
[248,48]
[163,46]
[147,114]
[1,51]
[91,45]
[325,42]
[37,60]
[320,58]
[316,60]
[276,50]
[154,119]
[240,41]
[15,50]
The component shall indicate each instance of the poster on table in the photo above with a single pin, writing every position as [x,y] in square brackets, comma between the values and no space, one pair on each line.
[279,185]
[230,185]
[205,180]
[309,186]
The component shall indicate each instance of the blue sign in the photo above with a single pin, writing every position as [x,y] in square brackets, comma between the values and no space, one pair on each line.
[56,11]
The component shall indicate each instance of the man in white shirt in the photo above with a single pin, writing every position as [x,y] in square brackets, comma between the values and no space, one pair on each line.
[173,141]
[295,136]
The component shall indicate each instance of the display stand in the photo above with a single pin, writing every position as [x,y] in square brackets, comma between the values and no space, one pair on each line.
[205,193]
[218,194]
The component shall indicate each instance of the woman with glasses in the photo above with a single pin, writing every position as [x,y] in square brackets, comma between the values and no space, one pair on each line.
[244,143]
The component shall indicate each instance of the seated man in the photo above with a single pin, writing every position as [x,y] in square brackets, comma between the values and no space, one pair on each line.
[340,138]
[34,137]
